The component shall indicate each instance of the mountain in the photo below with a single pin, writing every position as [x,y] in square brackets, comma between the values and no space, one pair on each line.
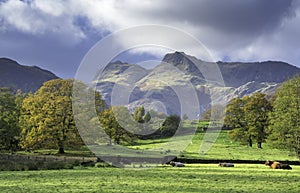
[169,86]
[237,74]
[25,78]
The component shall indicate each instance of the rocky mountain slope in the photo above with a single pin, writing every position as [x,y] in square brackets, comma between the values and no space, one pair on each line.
[170,85]
[25,78]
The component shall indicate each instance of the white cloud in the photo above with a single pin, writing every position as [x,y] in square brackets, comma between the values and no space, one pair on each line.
[52,7]
[41,18]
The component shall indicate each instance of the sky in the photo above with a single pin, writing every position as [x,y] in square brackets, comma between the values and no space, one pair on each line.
[57,34]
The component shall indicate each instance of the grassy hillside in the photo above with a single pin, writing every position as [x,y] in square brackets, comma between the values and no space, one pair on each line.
[223,148]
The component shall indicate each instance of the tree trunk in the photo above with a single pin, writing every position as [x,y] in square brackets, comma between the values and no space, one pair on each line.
[259,145]
[61,149]
[250,142]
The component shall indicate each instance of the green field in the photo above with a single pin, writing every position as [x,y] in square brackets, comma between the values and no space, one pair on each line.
[193,178]
[223,148]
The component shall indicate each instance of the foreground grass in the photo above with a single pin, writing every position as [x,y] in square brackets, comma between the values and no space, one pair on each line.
[193,178]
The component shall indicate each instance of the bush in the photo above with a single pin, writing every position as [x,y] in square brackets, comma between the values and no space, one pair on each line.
[102,165]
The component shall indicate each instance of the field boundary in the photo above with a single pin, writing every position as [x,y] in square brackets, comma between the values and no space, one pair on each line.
[204,161]
[18,157]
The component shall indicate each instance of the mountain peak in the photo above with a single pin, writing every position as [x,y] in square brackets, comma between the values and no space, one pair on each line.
[186,63]
[26,78]
[175,57]
[7,60]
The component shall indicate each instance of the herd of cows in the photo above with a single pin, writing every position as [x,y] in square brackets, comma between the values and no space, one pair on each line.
[271,164]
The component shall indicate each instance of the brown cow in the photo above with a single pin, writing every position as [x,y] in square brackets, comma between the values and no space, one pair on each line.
[277,165]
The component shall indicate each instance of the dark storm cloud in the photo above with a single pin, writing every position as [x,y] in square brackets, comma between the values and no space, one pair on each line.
[49,53]
[235,16]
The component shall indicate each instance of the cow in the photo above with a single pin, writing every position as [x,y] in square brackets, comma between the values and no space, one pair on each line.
[176,164]
[286,167]
[277,165]
[226,164]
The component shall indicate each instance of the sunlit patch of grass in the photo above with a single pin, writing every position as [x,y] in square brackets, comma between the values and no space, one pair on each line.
[222,148]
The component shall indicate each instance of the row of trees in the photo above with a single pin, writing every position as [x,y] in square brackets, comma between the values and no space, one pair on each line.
[275,119]
[45,119]
[120,125]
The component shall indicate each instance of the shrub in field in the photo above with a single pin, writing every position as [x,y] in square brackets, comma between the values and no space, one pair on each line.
[102,165]
[87,164]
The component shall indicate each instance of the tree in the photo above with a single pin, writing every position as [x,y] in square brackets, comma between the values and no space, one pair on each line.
[284,126]
[185,117]
[170,125]
[147,117]
[47,118]
[235,118]
[216,110]
[256,116]
[139,114]
[110,122]
[248,117]
[9,115]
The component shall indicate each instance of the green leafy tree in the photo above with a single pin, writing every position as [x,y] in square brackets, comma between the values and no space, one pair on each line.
[47,119]
[235,118]
[185,117]
[256,116]
[147,117]
[248,116]
[84,103]
[170,125]
[9,115]
[206,115]
[216,110]
[110,120]
[139,114]
[284,127]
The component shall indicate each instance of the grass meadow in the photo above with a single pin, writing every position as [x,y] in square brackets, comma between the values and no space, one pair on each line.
[223,148]
[192,178]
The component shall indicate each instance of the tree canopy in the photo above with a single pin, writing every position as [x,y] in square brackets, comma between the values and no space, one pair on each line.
[248,116]
[139,114]
[111,120]
[9,115]
[170,126]
[284,128]
[47,119]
